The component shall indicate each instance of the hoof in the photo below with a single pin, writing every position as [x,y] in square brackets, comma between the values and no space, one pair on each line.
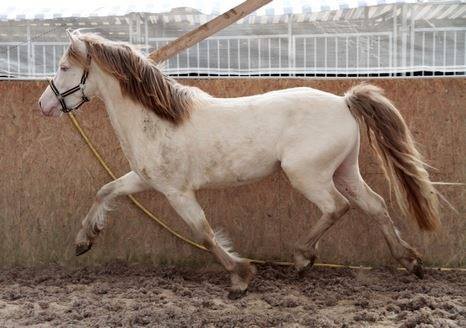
[303,270]
[237,294]
[82,248]
[418,269]
[242,276]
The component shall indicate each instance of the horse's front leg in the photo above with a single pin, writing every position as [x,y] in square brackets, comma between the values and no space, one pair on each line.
[94,221]
[241,270]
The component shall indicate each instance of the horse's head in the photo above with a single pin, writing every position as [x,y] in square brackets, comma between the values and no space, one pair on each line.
[73,83]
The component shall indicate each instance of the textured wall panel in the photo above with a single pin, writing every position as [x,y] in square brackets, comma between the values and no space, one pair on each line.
[49,178]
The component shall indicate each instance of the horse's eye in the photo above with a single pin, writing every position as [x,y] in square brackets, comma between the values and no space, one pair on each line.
[64,68]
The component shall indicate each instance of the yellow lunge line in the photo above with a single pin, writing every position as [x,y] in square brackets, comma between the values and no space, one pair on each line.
[183,238]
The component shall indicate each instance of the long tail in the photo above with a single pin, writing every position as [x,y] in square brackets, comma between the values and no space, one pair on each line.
[390,137]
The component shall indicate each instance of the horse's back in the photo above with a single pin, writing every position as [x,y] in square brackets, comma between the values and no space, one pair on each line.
[246,137]
[291,94]
[278,116]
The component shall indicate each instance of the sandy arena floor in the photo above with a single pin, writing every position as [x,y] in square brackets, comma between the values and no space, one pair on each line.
[119,295]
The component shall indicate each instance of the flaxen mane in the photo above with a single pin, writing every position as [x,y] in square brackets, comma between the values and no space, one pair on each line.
[139,77]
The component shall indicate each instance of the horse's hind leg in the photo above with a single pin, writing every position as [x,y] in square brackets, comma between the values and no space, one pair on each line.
[318,187]
[94,221]
[241,270]
[349,181]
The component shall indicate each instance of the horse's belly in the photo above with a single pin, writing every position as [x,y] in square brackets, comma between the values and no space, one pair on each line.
[226,173]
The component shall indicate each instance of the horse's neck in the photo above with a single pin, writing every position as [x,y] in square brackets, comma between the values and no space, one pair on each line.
[121,115]
[126,116]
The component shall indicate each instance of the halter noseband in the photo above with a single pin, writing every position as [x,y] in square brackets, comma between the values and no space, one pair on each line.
[80,86]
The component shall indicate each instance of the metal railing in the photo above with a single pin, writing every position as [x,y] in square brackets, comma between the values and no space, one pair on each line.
[426,51]
[30,60]
[230,56]
[343,54]
[438,51]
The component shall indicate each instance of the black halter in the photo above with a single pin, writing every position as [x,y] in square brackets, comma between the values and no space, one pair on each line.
[81,86]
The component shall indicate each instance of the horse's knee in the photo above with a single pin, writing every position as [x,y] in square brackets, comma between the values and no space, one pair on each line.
[104,192]
[335,207]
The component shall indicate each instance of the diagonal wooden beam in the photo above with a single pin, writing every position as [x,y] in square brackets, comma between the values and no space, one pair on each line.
[204,31]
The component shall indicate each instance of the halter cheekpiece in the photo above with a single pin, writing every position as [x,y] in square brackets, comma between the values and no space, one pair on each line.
[80,86]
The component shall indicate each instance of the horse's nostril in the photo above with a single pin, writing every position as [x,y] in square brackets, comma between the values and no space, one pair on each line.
[40,105]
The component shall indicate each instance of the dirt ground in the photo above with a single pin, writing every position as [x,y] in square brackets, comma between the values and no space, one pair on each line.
[131,296]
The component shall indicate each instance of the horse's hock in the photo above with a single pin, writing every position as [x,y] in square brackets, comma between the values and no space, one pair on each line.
[49,178]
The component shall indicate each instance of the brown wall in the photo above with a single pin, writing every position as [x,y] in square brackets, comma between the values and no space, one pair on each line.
[48,179]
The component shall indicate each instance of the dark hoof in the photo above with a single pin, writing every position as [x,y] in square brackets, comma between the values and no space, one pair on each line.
[237,294]
[418,270]
[82,248]
[303,271]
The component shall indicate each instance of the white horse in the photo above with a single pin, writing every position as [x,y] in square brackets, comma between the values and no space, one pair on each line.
[179,139]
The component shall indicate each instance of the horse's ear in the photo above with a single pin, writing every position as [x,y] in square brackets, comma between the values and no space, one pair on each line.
[70,35]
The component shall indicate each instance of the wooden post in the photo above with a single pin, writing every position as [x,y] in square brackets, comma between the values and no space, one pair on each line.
[204,31]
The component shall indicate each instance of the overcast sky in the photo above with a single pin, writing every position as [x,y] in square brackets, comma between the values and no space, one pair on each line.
[67,8]
[95,4]
[221,5]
